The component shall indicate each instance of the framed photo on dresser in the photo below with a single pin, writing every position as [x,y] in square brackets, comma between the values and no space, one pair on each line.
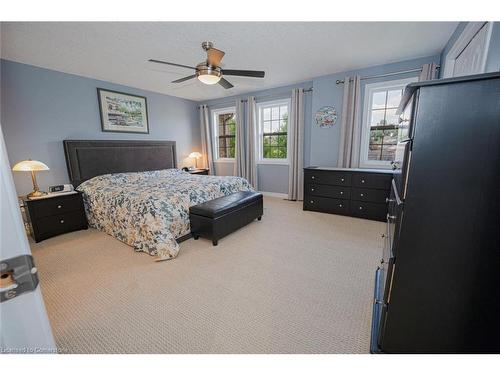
[123,113]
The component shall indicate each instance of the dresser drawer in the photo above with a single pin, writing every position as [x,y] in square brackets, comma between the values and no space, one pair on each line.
[329,191]
[370,195]
[368,210]
[328,205]
[372,180]
[53,225]
[328,177]
[56,205]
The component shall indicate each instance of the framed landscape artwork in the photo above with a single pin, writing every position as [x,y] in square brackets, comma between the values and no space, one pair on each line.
[123,113]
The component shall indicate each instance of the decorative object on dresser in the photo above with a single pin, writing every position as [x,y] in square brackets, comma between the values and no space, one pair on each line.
[195,155]
[362,193]
[437,289]
[32,166]
[123,113]
[221,216]
[55,214]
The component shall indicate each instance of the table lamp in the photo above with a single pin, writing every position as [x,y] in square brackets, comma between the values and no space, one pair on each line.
[195,155]
[32,166]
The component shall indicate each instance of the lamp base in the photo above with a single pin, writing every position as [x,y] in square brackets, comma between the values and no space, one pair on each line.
[36,194]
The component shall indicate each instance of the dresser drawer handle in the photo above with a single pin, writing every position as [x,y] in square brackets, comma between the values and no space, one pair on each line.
[341,192]
[362,181]
[312,201]
[340,205]
[312,177]
[361,195]
[360,207]
[61,221]
[59,206]
[312,189]
[342,179]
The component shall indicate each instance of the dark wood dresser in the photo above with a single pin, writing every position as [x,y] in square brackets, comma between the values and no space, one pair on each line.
[54,215]
[347,191]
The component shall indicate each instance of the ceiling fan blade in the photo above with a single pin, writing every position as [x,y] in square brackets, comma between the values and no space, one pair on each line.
[225,83]
[184,79]
[169,63]
[214,56]
[244,73]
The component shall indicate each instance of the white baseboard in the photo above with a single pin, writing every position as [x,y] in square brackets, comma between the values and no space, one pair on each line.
[274,195]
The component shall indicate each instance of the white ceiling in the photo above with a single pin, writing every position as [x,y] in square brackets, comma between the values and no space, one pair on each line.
[287,52]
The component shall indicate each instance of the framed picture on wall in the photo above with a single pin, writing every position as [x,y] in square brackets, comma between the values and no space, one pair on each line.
[123,113]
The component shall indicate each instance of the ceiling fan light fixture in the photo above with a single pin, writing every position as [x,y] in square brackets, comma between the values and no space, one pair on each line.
[208,75]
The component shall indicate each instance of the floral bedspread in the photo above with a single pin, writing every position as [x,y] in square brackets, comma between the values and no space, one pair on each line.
[149,210]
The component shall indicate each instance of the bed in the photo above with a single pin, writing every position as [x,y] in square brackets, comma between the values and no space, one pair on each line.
[134,192]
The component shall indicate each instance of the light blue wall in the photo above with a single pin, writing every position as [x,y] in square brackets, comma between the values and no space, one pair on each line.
[41,108]
[321,146]
[271,177]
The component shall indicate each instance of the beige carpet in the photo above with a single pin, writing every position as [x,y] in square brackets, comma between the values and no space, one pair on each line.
[296,282]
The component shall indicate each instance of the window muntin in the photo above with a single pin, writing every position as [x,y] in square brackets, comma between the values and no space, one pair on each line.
[225,133]
[273,131]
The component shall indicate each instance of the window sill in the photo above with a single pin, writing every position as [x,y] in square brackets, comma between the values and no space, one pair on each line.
[273,162]
[225,161]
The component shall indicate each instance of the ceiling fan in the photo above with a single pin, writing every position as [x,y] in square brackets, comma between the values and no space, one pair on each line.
[209,72]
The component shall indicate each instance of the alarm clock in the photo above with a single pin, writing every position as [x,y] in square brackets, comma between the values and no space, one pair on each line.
[56,189]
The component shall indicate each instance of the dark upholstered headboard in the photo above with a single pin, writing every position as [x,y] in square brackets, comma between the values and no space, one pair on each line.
[87,159]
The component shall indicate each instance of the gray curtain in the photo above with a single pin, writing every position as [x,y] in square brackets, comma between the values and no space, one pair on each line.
[240,139]
[428,72]
[250,143]
[206,139]
[296,139]
[350,132]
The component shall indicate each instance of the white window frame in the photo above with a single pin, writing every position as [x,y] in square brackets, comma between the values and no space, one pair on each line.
[215,133]
[260,132]
[461,43]
[370,89]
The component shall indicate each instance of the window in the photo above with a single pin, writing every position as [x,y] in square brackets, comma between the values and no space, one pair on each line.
[380,131]
[273,131]
[224,124]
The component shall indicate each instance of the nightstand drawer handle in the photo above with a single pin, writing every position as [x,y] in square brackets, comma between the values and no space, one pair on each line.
[312,177]
[341,192]
[312,201]
[342,179]
[361,195]
[61,221]
[362,181]
[312,189]
[360,207]
[340,205]
[59,206]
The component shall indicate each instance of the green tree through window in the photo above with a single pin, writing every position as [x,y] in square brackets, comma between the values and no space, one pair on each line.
[227,135]
[274,132]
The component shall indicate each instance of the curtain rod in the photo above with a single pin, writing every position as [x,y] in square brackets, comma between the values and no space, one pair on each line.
[388,74]
[310,89]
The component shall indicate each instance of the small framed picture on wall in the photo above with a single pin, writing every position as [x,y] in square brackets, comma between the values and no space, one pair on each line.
[123,113]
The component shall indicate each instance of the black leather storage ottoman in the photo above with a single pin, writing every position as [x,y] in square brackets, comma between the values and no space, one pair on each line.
[219,217]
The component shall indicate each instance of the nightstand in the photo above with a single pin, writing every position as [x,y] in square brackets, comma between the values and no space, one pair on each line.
[199,171]
[55,214]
